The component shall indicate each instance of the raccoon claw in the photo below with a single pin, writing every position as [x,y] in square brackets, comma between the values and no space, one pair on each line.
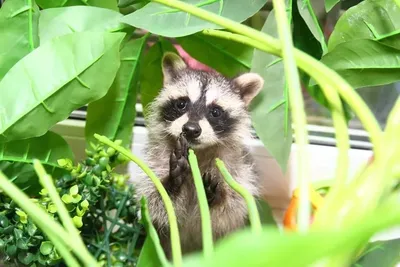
[178,165]
[213,189]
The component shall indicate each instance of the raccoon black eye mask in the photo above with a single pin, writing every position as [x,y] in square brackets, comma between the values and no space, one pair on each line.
[208,113]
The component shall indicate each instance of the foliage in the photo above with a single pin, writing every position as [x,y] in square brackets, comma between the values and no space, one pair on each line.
[91,191]
[88,56]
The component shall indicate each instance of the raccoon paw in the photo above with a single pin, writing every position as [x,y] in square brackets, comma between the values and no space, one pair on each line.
[213,188]
[179,167]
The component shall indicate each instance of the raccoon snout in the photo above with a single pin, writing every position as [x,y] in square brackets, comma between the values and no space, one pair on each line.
[191,130]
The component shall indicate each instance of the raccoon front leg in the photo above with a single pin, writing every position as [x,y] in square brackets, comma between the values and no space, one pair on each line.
[214,189]
[179,168]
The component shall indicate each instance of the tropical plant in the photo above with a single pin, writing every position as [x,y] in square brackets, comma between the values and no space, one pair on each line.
[94,57]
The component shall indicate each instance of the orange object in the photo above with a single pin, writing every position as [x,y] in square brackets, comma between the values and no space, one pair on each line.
[289,221]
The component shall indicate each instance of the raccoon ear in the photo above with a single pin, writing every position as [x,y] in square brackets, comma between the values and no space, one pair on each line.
[249,85]
[172,64]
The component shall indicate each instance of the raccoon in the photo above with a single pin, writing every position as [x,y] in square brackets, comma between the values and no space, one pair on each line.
[206,112]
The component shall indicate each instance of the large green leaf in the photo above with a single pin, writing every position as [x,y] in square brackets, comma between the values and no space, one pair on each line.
[225,56]
[166,21]
[271,247]
[75,69]
[16,158]
[306,11]
[152,254]
[370,19]
[116,121]
[268,110]
[110,4]
[380,253]
[265,212]
[56,22]
[18,32]
[365,62]
[151,76]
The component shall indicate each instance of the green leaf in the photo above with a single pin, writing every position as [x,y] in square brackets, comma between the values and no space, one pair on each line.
[46,247]
[225,56]
[26,257]
[381,253]
[364,63]
[151,78]
[305,9]
[110,4]
[265,212]
[269,113]
[82,67]
[329,4]
[56,22]
[16,159]
[169,22]
[77,221]
[370,19]
[117,120]
[152,254]
[18,32]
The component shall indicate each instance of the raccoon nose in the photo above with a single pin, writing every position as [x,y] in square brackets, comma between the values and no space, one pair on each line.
[191,130]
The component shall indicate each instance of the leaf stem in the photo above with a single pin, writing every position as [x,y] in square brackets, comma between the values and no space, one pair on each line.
[175,241]
[64,251]
[297,111]
[47,182]
[254,216]
[204,209]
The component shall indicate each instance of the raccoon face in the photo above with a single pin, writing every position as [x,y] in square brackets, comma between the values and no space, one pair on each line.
[207,108]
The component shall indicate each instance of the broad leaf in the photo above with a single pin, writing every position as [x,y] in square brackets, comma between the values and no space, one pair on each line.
[305,9]
[265,212]
[244,248]
[110,4]
[329,4]
[162,20]
[269,113]
[16,159]
[75,69]
[116,121]
[152,254]
[370,19]
[18,32]
[225,56]
[365,63]
[151,77]
[380,253]
[56,22]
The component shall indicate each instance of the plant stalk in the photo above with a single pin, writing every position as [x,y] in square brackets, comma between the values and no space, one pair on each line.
[254,216]
[204,209]
[175,240]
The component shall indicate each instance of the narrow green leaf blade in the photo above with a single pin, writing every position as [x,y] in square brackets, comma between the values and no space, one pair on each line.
[116,121]
[82,67]
[18,32]
[365,62]
[268,112]
[152,254]
[151,78]
[227,57]
[370,19]
[110,4]
[169,22]
[56,22]
[381,253]
[16,158]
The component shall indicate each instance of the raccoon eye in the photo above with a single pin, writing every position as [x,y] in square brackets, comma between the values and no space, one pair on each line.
[216,112]
[181,103]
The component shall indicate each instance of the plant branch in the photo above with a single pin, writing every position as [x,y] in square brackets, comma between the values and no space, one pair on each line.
[204,209]
[175,241]
[297,110]
[254,216]
[47,182]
